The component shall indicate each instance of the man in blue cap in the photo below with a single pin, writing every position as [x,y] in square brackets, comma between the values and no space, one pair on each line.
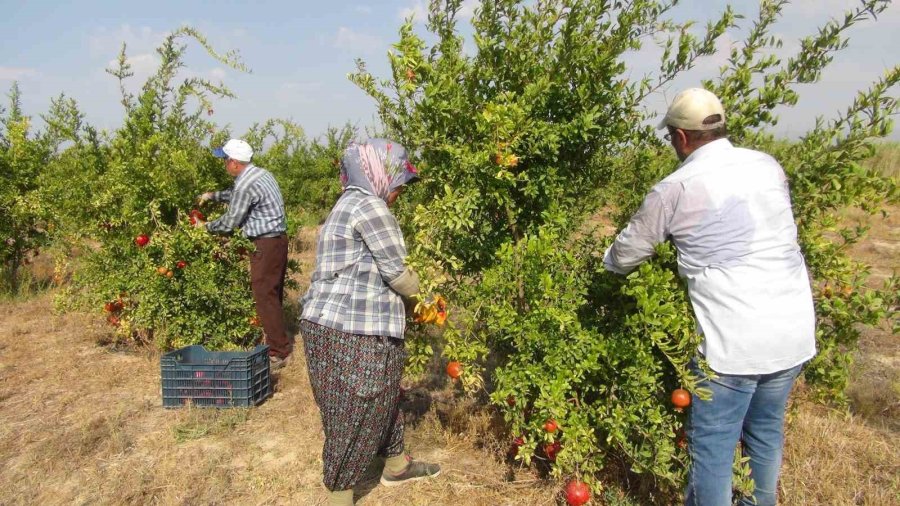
[256,207]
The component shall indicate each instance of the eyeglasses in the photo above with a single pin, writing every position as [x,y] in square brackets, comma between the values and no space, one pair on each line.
[668,137]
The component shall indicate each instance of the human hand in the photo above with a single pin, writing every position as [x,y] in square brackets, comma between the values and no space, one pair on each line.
[203,197]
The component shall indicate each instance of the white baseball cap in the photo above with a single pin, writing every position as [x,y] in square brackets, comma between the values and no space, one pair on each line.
[235,149]
[690,108]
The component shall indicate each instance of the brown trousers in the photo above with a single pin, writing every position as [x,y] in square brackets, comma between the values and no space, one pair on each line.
[268,265]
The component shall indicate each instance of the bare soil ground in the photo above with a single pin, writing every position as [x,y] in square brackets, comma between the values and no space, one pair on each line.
[81,423]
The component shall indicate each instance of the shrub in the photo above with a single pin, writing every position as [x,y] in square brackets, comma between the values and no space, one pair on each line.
[523,140]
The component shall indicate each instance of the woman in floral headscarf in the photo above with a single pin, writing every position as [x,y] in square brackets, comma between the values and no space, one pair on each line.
[353,321]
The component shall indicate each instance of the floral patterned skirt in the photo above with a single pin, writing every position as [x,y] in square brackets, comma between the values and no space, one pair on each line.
[356,383]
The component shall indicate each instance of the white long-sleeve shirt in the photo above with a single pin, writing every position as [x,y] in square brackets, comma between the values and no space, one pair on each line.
[728,213]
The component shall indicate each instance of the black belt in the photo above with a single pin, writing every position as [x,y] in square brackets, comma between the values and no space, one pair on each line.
[268,236]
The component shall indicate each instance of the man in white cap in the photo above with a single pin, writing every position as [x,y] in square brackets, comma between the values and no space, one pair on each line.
[728,213]
[256,207]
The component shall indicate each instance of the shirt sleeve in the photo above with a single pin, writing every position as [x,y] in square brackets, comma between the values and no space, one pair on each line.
[238,209]
[637,242]
[221,196]
[381,233]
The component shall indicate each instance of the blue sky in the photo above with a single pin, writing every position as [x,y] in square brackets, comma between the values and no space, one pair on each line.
[301,51]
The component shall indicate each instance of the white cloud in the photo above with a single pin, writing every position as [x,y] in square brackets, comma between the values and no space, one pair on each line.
[467,9]
[218,73]
[16,73]
[105,42]
[419,11]
[142,65]
[356,42]
[142,43]
[819,12]
[818,7]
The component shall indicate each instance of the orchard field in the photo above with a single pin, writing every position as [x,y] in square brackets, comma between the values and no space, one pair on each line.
[81,423]
[534,148]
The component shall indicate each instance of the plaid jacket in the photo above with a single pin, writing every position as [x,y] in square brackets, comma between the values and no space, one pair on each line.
[360,247]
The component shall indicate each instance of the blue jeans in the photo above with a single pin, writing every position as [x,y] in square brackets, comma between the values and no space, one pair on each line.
[746,408]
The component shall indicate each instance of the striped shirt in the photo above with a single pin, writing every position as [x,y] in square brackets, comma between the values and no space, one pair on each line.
[360,248]
[254,204]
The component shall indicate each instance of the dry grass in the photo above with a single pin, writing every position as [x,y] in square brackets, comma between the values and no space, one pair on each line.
[839,458]
[886,159]
[836,459]
[875,387]
[82,424]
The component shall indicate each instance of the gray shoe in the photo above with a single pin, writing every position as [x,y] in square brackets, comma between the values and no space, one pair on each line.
[415,471]
[276,363]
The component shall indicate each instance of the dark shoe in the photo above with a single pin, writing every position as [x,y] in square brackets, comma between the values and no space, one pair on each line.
[415,471]
[276,363]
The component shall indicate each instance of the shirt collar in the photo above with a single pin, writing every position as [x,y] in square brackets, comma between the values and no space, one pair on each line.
[244,173]
[359,189]
[708,149]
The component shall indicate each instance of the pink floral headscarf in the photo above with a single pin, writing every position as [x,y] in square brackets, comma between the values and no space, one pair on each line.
[376,166]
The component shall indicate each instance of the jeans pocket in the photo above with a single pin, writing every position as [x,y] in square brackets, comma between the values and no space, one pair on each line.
[741,384]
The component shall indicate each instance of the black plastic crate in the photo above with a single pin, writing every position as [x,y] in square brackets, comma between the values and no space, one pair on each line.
[215,379]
